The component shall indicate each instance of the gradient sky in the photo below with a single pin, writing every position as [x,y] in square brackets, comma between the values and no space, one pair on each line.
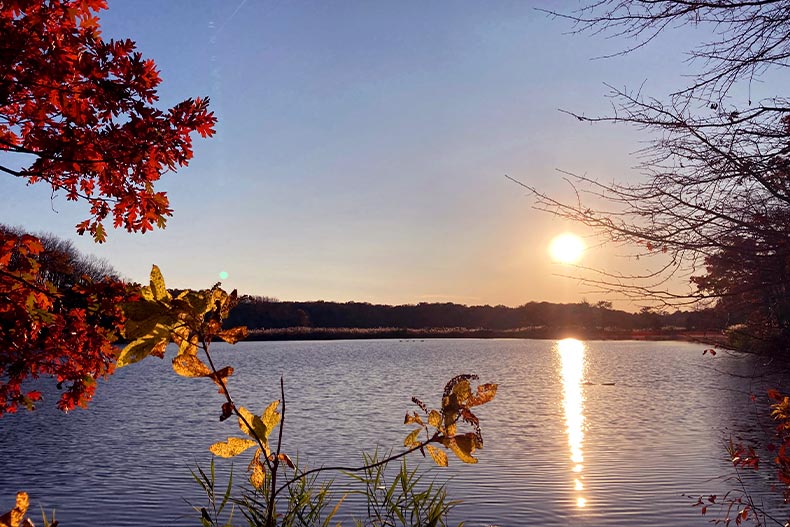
[361,147]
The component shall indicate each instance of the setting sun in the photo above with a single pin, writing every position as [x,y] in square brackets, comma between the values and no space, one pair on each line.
[566,248]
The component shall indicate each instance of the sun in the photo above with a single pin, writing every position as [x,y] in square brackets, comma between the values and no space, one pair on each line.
[566,248]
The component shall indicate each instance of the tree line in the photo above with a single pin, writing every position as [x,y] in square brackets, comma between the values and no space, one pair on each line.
[257,312]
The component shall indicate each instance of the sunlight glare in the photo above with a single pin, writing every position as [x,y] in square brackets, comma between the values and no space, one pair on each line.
[571,353]
[566,248]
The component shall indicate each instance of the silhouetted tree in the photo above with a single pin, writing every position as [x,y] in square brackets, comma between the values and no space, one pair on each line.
[716,196]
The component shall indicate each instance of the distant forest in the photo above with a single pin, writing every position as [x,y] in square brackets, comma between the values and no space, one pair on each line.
[259,313]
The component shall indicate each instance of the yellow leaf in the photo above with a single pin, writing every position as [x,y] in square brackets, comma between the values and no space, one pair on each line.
[411,439]
[233,335]
[450,430]
[463,446]
[187,344]
[462,390]
[158,289]
[438,455]
[147,293]
[190,366]
[450,409]
[271,417]
[435,419]
[152,343]
[412,418]
[233,447]
[142,317]
[257,471]
[252,425]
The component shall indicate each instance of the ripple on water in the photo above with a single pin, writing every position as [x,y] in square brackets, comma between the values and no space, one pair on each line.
[653,436]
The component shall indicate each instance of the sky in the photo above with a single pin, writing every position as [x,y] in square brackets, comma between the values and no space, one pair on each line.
[362,148]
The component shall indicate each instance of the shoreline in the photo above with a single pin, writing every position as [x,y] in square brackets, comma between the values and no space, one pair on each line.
[711,337]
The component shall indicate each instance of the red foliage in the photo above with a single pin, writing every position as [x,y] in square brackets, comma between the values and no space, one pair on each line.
[66,334]
[80,113]
[83,109]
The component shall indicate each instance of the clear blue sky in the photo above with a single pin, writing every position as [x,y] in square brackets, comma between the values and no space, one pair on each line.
[361,147]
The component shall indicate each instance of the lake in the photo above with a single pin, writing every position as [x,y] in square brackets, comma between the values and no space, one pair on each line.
[563,445]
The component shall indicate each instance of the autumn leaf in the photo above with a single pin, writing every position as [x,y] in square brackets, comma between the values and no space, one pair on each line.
[16,516]
[462,446]
[411,439]
[271,417]
[257,470]
[485,393]
[412,418]
[140,348]
[462,390]
[186,340]
[232,447]
[438,455]
[227,411]
[259,427]
[287,460]
[220,375]
[158,285]
[190,366]
[233,335]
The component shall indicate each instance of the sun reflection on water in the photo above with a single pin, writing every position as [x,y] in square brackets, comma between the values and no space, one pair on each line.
[571,353]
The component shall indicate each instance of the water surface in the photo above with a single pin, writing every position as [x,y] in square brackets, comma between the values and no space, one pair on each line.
[595,433]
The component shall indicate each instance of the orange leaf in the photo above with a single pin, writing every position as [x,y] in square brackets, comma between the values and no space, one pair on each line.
[233,335]
[190,366]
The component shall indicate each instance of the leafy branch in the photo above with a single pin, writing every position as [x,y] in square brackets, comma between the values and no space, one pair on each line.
[193,319]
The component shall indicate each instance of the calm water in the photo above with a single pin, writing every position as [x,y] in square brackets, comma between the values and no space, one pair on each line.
[559,450]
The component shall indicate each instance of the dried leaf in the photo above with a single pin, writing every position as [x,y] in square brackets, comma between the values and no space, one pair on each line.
[287,460]
[227,411]
[233,447]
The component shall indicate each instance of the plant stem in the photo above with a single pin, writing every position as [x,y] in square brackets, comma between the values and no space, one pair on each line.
[276,461]
[434,439]
[226,393]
